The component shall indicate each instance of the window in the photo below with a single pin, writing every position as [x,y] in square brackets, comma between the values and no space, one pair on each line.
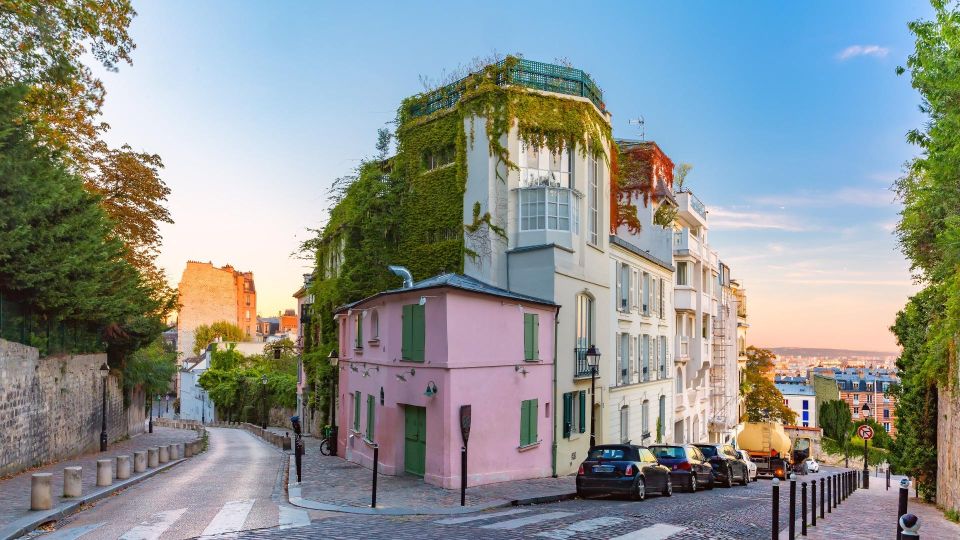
[682,273]
[356,411]
[886,427]
[654,297]
[623,287]
[663,357]
[623,358]
[374,325]
[705,329]
[412,342]
[593,200]
[679,388]
[434,159]
[645,352]
[358,344]
[869,398]
[528,422]
[704,284]
[634,290]
[856,398]
[371,416]
[662,418]
[645,420]
[548,209]
[531,336]
[886,413]
[624,424]
[806,405]
[540,167]
[584,332]
[574,413]
[660,304]
[646,293]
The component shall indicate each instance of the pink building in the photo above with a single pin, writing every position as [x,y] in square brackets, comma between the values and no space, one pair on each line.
[411,358]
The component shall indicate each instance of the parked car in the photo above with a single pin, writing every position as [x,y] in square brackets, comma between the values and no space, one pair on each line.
[811,465]
[727,466]
[751,466]
[688,466]
[622,469]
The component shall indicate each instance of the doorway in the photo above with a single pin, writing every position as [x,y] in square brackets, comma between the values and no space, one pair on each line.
[415,440]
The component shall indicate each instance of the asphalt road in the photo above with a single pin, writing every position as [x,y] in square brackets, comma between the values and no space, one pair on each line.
[235,485]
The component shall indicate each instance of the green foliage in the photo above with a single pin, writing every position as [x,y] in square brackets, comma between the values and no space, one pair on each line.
[204,334]
[835,419]
[151,367]
[881,439]
[235,383]
[763,402]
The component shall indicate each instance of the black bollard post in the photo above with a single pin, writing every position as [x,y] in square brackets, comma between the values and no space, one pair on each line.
[823,497]
[902,506]
[813,503]
[776,509]
[803,509]
[888,478]
[463,476]
[910,525]
[376,459]
[836,491]
[792,525]
[297,446]
[829,496]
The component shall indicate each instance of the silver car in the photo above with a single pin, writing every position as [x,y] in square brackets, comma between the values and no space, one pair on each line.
[751,466]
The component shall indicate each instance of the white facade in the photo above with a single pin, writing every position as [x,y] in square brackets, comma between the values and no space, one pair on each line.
[195,404]
[802,400]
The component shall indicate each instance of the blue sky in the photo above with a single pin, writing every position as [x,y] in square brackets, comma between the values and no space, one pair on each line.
[791,115]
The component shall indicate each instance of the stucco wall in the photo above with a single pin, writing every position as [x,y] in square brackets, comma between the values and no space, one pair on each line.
[209,294]
[50,408]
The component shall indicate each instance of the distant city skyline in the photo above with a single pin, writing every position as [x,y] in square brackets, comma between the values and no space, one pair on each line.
[791,115]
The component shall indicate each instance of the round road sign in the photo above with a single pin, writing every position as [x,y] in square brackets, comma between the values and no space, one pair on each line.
[865,432]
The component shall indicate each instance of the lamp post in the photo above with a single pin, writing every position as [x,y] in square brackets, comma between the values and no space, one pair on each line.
[263,389]
[866,471]
[593,360]
[150,428]
[203,405]
[104,371]
[334,359]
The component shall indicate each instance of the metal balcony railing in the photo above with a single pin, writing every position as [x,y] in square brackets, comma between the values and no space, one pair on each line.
[581,367]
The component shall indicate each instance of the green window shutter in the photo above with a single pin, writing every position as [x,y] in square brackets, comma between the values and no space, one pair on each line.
[567,414]
[359,344]
[583,411]
[536,335]
[356,411]
[528,353]
[533,416]
[418,332]
[407,338]
[524,423]
[371,416]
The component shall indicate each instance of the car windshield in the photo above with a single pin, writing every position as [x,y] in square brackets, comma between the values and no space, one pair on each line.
[708,451]
[674,452]
[607,453]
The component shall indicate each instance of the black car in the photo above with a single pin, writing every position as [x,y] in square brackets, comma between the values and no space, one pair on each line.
[727,465]
[622,469]
[688,466]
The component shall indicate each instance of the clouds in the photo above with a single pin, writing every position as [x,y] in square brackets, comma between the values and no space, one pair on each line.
[854,51]
[878,197]
[722,218]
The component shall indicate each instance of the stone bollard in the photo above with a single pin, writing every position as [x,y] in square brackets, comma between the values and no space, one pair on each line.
[72,481]
[182,452]
[140,461]
[164,455]
[123,467]
[187,450]
[104,472]
[173,452]
[153,457]
[40,497]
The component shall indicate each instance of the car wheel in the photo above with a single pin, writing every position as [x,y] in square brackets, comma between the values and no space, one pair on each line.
[640,489]
[745,479]
[668,489]
[730,477]
[581,494]
[693,483]
[712,481]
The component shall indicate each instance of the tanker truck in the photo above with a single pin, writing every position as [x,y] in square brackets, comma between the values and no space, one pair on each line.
[769,447]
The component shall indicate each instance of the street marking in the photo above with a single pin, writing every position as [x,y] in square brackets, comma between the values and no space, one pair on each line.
[155,526]
[457,521]
[291,517]
[74,533]
[530,520]
[660,531]
[586,525]
[230,518]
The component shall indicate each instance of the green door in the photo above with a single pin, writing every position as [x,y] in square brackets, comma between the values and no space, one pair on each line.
[415,440]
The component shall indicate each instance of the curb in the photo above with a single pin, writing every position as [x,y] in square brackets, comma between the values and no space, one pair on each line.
[294,497]
[30,522]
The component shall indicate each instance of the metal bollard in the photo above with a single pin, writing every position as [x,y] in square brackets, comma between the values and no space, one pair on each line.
[836,491]
[792,524]
[888,478]
[823,497]
[803,509]
[72,481]
[776,509]
[813,503]
[123,467]
[40,496]
[910,525]
[104,472]
[902,506]
[373,493]
[463,476]
[829,496]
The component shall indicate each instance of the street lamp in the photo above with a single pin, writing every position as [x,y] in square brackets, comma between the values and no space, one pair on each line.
[203,405]
[866,470]
[263,382]
[104,371]
[593,360]
[334,359]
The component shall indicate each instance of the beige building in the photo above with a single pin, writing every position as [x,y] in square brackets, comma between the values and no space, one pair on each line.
[209,294]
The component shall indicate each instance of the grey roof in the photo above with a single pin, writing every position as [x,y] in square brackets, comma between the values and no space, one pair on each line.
[455,281]
[794,389]
[616,240]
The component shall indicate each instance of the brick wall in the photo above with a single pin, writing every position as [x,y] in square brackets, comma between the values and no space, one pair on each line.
[948,449]
[50,408]
[208,294]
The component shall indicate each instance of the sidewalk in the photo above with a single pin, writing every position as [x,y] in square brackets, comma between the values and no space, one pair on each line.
[334,484]
[15,490]
[872,515]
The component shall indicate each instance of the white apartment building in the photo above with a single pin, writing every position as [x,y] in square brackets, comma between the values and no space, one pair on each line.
[725,370]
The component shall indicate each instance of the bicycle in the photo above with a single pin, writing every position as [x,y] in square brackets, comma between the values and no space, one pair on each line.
[327,441]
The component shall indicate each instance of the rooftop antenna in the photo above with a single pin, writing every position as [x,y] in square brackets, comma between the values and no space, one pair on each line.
[641,125]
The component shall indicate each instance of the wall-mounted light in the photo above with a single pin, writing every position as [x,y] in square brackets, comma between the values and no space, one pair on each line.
[354,368]
[423,300]
[401,378]
[381,396]
[522,370]
[431,389]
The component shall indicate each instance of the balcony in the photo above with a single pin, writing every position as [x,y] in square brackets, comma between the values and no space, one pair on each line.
[687,243]
[691,208]
[684,299]
[580,367]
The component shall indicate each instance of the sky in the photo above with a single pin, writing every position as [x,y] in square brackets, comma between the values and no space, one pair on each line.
[791,115]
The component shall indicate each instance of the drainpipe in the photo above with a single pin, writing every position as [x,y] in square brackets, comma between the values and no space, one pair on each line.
[556,326]
[402,272]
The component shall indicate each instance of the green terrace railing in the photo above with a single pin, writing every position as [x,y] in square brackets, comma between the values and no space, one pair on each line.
[528,73]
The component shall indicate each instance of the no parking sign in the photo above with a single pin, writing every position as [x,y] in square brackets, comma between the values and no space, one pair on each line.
[865,432]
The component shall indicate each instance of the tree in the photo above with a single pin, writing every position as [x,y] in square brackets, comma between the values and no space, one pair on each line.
[837,424]
[763,402]
[151,367]
[204,334]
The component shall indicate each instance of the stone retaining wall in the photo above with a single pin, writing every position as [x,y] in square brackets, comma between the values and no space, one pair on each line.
[50,408]
[948,449]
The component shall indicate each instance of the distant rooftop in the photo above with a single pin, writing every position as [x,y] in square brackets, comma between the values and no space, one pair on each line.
[793,389]
[528,73]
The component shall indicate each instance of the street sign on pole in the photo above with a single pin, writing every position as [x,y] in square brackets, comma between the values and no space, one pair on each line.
[865,432]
